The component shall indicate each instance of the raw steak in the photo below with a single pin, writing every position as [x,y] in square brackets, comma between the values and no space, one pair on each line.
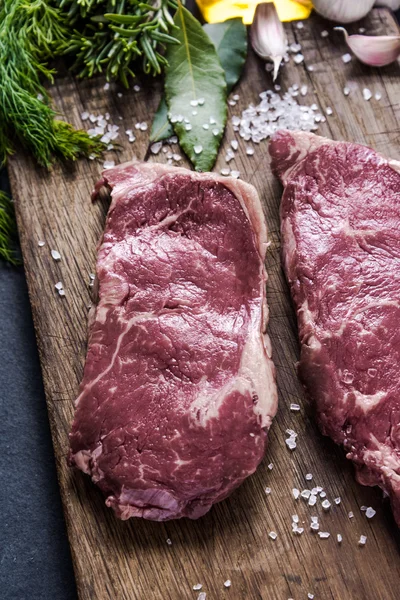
[340,229]
[179,388]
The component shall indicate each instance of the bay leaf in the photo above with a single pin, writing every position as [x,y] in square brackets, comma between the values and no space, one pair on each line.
[161,128]
[195,90]
[230,41]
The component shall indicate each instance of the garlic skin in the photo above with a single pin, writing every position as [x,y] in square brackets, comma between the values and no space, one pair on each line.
[268,36]
[393,4]
[343,11]
[376,51]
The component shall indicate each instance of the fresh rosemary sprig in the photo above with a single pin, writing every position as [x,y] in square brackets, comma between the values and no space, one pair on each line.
[110,35]
[29,33]
[8,231]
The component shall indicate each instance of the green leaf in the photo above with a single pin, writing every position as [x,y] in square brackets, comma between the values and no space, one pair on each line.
[161,127]
[230,41]
[195,83]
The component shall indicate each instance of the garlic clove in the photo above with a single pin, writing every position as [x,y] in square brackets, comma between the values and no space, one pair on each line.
[376,51]
[343,11]
[393,4]
[268,36]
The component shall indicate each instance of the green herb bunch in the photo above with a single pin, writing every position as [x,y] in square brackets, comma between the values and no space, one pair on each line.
[29,32]
[110,35]
[8,231]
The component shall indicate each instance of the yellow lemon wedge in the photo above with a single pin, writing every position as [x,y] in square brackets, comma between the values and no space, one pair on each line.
[215,11]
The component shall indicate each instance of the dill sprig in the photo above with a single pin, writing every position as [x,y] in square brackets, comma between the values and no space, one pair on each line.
[8,231]
[110,35]
[29,33]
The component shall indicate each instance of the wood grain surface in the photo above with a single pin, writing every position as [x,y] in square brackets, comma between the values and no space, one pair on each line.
[131,560]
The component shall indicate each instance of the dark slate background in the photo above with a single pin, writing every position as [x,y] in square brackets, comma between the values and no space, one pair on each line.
[35,561]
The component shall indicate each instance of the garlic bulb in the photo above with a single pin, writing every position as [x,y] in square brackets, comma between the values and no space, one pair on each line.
[376,51]
[393,4]
[343,11]
[268,36]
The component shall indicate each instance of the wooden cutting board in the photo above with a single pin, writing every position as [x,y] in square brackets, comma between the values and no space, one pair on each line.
[131,560]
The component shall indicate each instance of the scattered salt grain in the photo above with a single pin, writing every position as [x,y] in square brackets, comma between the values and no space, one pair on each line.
[229,155]
[363,508]
[194,112]
[201,101]
[40,97]
[234,144]
[314,526]
[108,164]
[329,111]
[41,243]
[198,149]
[337,500]
[143,126]
[363,540]
[339,538]
[156,147]
[92,276]
[136,88]
[106,86]
[206,126]
[236,97]
[177,157]
[273,535]
[351,515]
[310,596]
[378,96]
[225,171]
[84,115]
[324,33]
[55,255]
[300,25]
[173,139]
[295,407]
[295,48]
[312,500]
[194,102]
[235,174]
[346,91]
[119,95]
[202,596]
[309,476]
[197,587]
[227,583]
[310,68]
[361,30]
[298,59]
[305,494]
[291,443]
[303,90]
[296,493]
[169,542]
[323,534]
[297,530]
[212,121]
[61,292]
[215,132]
[322,494]
[231,103]
[271,466]
[249,151]
[92,156]
[370,512]
[346,58]
[267,489]
[59,285]
[326,505]
[188,127]
[367,94]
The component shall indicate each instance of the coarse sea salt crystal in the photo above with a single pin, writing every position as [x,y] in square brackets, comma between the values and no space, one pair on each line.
[273,535]
[267,490]
[108,164]
[363,540]
[324,534]
[59,285]
[169,542]
[337,500]
[326,505]
[308,476]
[249,151]
[206,126]
[314,526]
[296,493]
[235,144]
[106,86]
[346,58]
[271,466]
[202,596]
[55,255]
[236,175]
[329,110]
[201,101]
[305,494]
[346,91]
[378,96]
[197,587]
[300,25]
[156,147]
[312,500]
[227,583]
[136,88]
[370,512]
[298,59]
[84,115]
[367,94]
[41,243]
[324,33]
[198,149]
[188,127]
[303,90]
[225,171]
[295,407]
[61,292]
[231,103]
[295,48]
[310,596]
[339,538]
[351,514]
[322,494]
